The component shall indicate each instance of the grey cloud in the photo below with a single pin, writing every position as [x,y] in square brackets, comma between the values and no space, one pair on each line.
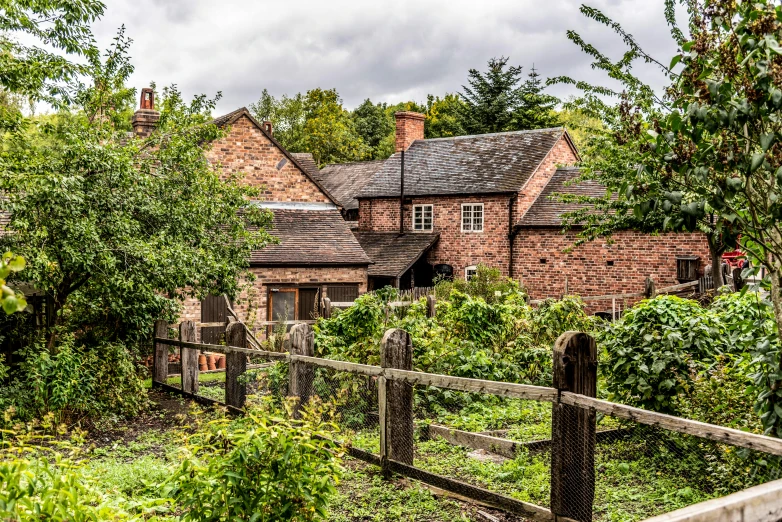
[384,52]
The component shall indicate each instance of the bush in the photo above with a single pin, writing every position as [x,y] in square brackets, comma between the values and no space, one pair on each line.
[261,467]
[75,382]
[653,351]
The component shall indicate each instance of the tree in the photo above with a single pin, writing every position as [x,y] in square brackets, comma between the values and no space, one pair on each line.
[711,150]
[287,117]
[536,109]
[116,229]
[330,134]
[491,98]
[373,125]
[444,116]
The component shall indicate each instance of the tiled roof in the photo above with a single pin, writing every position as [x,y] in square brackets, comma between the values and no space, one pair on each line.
[480,164]
[393,254]
[306,160]
[547,212]
[231,117]
[310,236]
[346,180]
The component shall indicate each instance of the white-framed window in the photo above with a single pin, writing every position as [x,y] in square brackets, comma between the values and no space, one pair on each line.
[472,217]
[423,218]
[470,271]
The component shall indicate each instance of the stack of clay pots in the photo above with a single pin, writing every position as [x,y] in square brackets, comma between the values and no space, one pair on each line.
[202,366]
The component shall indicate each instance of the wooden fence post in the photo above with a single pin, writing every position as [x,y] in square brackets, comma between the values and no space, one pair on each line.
[326,308]
[738,282]
[573,429]
[235,365]
[396,351]
[301,374]
[189,358]
[431,303]
[160,360]
[649,290]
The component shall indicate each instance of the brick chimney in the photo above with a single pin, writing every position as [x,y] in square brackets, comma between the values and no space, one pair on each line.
[409,127]
[146,118]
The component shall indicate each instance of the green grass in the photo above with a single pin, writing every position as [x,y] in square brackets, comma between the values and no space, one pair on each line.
[176,380]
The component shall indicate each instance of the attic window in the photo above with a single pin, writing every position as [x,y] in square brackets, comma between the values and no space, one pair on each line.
[282,163]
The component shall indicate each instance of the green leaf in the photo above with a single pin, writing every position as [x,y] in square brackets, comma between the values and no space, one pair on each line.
[658,366]
[17,264]
[766,140]
[757,161]
[676,59]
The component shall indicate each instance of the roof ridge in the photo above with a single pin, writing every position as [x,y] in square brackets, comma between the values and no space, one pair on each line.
[504,133]
[352,162]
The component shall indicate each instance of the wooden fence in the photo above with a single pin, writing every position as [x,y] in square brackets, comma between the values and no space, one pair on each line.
[573,426]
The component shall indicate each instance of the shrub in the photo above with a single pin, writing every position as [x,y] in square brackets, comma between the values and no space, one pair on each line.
[262,467]
[75,382]
[654,349]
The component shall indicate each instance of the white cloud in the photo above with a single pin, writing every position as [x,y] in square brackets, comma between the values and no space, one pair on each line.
[387,51]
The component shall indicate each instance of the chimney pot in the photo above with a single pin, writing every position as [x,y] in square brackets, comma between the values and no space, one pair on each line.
[146,118]
[409,127]
[267,126]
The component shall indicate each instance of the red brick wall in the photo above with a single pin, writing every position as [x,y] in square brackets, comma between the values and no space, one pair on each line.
[250,306]
[635,256]
[456,248]
[248,151]
[561,154]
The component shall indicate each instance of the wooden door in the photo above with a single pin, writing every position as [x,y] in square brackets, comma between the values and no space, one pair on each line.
[342,293]
[308,303]
[213,310]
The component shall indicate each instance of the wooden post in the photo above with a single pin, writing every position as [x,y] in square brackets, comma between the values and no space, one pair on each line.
[235,365]
[649,290]
[738,282]
[566,288]
[431,303]
[326,308]
[189,358]
[573,429]
[160,373]
[396,351]
[383,422]
[301,375]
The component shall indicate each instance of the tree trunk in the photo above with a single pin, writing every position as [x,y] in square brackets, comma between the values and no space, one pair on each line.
[716,249]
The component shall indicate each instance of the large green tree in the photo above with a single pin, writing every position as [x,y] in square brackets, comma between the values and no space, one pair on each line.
[536,109]
[115,228]
[444,116]
[708,154]
[490,98]
[373,126]
[287,116]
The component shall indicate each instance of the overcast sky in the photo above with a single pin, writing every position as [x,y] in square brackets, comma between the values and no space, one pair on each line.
[385,51]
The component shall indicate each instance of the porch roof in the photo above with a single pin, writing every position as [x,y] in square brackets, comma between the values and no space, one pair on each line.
[393,254]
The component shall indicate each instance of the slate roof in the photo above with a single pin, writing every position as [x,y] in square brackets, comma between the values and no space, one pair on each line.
[309,235]
[231,117]
[546,212]
[306,160]
[393,254]
[479,164]
[346,180]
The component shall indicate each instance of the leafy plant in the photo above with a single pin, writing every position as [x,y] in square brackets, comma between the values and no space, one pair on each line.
[654,349]
[10,300]
[263,467]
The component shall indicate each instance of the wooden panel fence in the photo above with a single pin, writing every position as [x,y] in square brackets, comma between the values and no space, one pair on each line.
[573,428]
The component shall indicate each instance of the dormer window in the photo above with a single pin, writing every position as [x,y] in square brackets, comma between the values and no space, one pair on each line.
[472,217]
[423,218]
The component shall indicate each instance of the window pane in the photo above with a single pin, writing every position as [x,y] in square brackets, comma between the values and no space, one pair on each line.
[282,306]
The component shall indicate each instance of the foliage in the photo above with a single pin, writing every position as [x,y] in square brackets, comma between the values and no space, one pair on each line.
[536,108]
[113,229]
[11,301]
[262,467]
[373,125]
[487,283]
[653,350]
[444,116]
[75,382]
[287,117]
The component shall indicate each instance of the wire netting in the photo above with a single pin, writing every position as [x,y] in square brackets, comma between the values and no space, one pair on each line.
[499,444]
[643,471]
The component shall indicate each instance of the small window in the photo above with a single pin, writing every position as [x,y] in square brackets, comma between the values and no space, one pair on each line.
[470,271]
[423,220]
[472,217]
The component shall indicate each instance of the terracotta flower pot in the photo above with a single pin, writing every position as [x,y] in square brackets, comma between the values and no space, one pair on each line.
[221,362]
[210,362]
[201,359]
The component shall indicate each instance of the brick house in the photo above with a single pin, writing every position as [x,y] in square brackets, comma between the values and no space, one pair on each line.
[485,199]
[317,255]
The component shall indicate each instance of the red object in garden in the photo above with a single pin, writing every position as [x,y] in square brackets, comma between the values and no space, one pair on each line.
[734,258]
[221,363]
[210,362]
